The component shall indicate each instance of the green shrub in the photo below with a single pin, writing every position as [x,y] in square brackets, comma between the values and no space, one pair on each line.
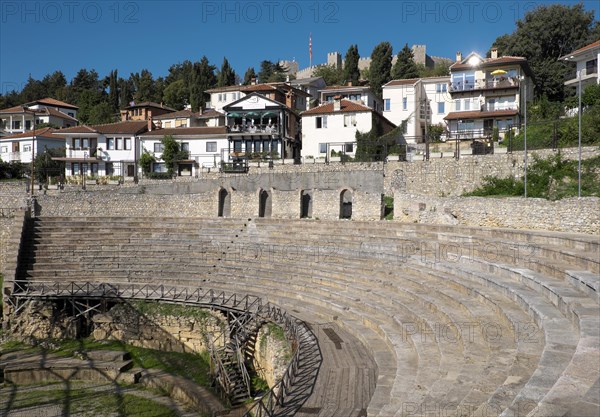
[159,175]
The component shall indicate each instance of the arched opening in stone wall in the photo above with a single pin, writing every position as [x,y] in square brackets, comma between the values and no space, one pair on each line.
[265,203]
[306,204]
[224,203]
[346,204]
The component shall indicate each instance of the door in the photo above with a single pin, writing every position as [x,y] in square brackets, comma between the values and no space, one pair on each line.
[130,170]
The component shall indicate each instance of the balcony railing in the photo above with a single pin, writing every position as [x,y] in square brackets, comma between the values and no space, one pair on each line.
[14,156]
[82,152]
[510,82]
[266,129]
[498,107]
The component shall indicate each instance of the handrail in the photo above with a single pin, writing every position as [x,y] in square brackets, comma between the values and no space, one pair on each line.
[294,329]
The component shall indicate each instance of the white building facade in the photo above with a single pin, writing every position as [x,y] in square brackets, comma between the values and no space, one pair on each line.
[22,147]
[416,104]
[332,127]
[20,119]
[586,60]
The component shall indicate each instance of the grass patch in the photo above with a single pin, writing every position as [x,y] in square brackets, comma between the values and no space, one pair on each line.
[388,211]
[195,367]
[552,178]
[87,402]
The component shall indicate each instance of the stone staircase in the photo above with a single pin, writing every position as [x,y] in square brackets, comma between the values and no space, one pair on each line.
[412,320]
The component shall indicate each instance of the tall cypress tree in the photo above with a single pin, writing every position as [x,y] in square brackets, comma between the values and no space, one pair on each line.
[381,65]
[226,75]
[351,72]
[405,66]
[113,94]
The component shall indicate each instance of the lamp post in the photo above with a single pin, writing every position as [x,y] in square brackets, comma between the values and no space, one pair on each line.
[579,135]
[525,135]
[32,179]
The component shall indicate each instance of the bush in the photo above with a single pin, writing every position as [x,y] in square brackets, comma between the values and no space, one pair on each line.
[159,176]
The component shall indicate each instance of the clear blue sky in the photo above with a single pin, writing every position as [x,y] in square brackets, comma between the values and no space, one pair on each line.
[39,37]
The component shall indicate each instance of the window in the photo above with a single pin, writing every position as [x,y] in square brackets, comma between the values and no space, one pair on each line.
[85,143]
[404,103]
[321,122]
[441,107]
[110,143]
[158,147]
[185,146]
[159,167]
[76,143]
[467,104]
[127,144]
[457,105]
[16,124]
[211,146]
[119,144]
[71,114]
[110,169]
[75,169]
[322,148]
[591,67]
[237,146]
[26,148]
[441,88]
[349,120]
[27,124]
[4,149]
[349,147]
[181,123]
[386,104]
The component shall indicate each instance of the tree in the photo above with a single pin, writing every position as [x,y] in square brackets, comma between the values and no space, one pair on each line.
[226,75]
[125,92]
[249,75]
[101,113]
[46,167]
[405,66]
[271,72]
[351,72]
[172,152]
[543,36]
[380,68]
[203,78]
[331,74]
[144,88]
[113,93]
[176,95]
[146,161]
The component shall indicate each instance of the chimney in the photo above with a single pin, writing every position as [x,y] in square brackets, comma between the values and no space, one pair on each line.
[159,125]
[349,84]
[458,56]
[494,53]
[337,103]
[289,100]
[149,120]
[253,81]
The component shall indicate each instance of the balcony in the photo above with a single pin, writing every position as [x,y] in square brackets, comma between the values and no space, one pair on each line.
[500,106]
[14,156]
[82,153]
[479,85]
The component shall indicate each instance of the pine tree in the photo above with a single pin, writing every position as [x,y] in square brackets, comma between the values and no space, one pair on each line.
[113,94]
[405,66]
[249,75]
[381,65]
[351,71]
[226,75]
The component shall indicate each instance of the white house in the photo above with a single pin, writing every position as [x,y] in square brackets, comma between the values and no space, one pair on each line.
[332,127]
[187,118]
[283,93]
[260,126]
[311,86]
[103,150]
[206,147]
[20,119]
[23,146]
[586,60]
[417,102]
[360,94]
[487,93]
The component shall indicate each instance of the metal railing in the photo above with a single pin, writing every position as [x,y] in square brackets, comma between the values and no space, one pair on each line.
[300,336]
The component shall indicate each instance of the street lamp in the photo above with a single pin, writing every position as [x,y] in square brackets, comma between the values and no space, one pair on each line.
[579,75]
[25,110]
[525,135]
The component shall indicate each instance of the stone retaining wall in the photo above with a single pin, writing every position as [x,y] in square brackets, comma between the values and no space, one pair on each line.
[568,215]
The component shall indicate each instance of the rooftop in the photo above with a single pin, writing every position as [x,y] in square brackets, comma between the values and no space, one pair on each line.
[127,127]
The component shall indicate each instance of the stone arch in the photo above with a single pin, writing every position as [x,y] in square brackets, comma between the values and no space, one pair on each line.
[306,204]
[265,203]
[346,204]
[224,203]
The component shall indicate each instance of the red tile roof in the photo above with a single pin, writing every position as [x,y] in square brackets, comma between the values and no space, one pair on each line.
[53,102]
[150,104]
[345,87]
[489,62]
[408,81]
[176,114]
[15,109]
[44,110]
[347,106]
[258,87]
[56,113]
[479,114]
[583,49]
[46,132]
[187,131]
[127,127]
[210,113]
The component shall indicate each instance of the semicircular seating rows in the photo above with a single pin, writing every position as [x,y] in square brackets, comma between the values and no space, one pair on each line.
[413,320]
